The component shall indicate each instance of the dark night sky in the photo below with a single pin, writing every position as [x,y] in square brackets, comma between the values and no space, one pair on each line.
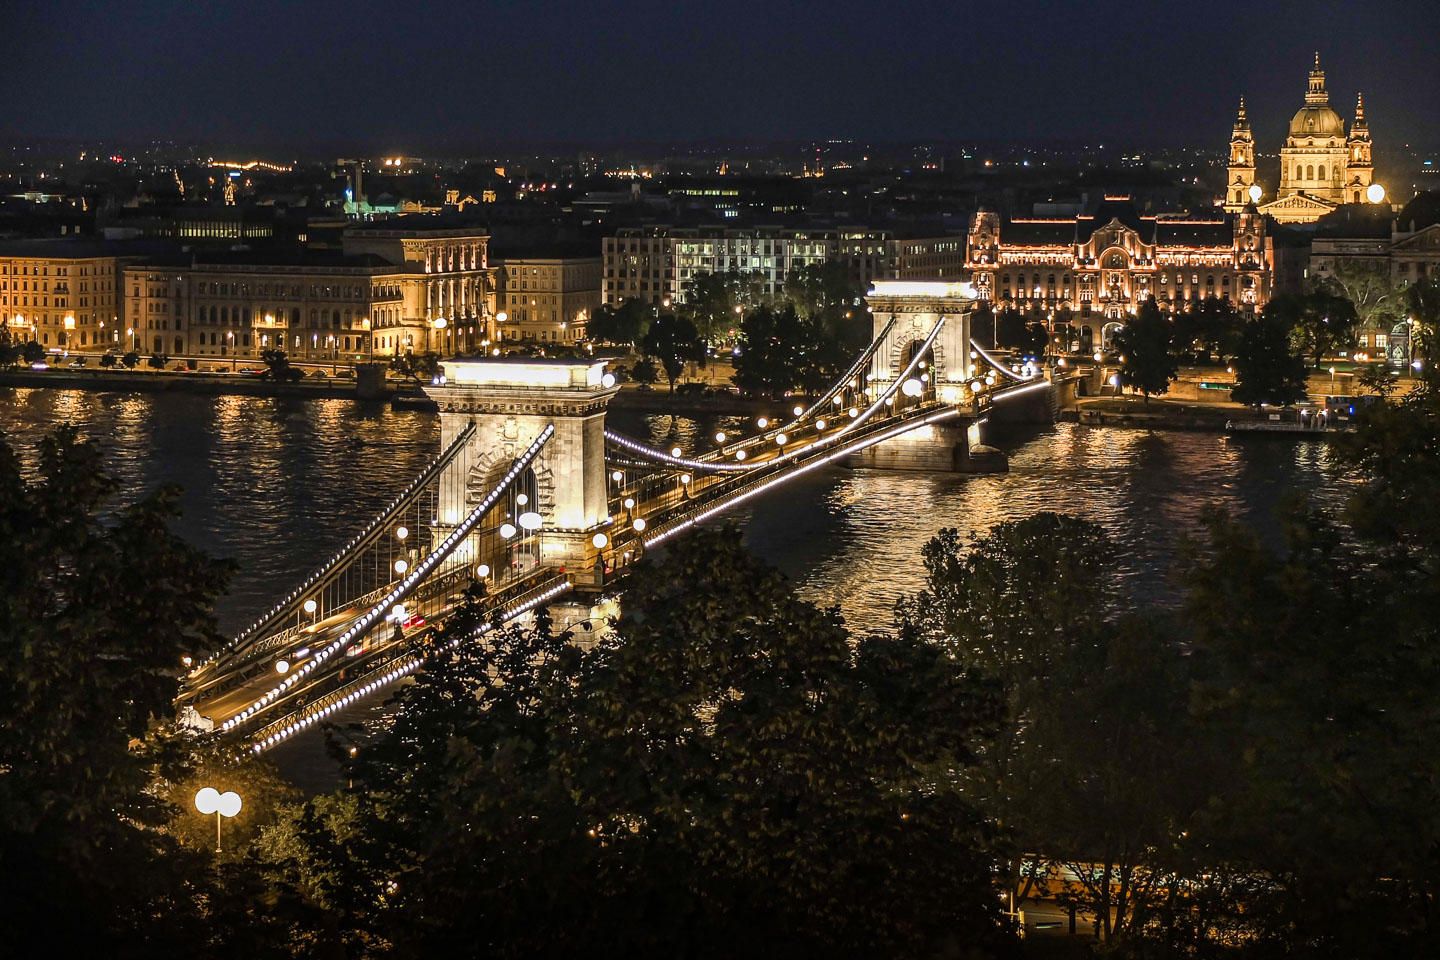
[391,75]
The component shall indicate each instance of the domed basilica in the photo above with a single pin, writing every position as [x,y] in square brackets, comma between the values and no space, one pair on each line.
[1320,166]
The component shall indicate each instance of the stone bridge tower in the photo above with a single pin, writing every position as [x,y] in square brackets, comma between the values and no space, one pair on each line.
[511,401]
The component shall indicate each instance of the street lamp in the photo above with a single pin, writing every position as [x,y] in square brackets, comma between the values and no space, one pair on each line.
[227,804]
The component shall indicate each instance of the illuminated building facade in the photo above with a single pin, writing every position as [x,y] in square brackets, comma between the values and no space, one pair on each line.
[1103,265]
[448,286]
[316,306]
[655,264]
[1321,166]
[60,293]
[547,299]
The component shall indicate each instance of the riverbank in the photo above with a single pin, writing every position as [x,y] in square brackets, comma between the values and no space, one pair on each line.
[165,381]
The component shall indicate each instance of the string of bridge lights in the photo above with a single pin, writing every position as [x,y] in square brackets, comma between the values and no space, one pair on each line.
[339,701]
[439,463]
[400,592]
[662,535]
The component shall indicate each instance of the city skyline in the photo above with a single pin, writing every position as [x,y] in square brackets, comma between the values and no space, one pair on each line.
[572,73]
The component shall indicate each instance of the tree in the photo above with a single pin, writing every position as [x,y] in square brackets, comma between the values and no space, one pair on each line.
[1422,302]
[108,360]
[1267,370]
[644,371]
[156,361]
[1378,300]
[98,607]
[714,302]
[1320,322]
[624,324]
[278,368]
[1011,330]
[1214,326]
[772,784]
[32,352]
[772,343]
[825,296]
[131,360]
[1146,364]
[422,368]
[673,341]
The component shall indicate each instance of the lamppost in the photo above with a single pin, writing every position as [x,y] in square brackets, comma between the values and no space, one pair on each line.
[227,804]
[230,345]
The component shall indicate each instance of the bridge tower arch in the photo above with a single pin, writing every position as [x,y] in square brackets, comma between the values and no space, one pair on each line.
[916,306]
[511,401]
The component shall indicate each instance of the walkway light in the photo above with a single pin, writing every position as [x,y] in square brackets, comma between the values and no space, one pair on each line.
[1099,356]
[617,476]
[282,667]
[227,804]
[482,571]
[720,437]
[739,454]
[820,424]
[836,400]
[762,423]
[599,541]
[530,520]
[684,478]
[310,607]
[854,412]
[401,533]
[507,530]
[675,451]
[781,439]
[798,410]
[1375,193]
[629,503]
[401,566]
[522,498]
[607,381]
[912,388]
[639,524]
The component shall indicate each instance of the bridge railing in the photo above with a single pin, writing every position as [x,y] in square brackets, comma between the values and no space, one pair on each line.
[402,660]
[368,535]
[417,575]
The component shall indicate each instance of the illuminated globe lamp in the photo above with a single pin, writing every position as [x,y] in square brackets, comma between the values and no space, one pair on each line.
[401,566]
[720,437]
[507,530]
[854,412]
[675,451]
[599,541]
[781,439]
[912,388]
[482,570]
[798,410]
[617,476]
[209,800]
[639,524]
[1256,193]
[607,381]
[401,533]
[629,503]
[530,520]
[739,454]
[282,666]
[762,423]
[1375,193]
[310,607]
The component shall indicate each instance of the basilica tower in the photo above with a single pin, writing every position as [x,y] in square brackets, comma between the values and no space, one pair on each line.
[1360,169]
[1241,175]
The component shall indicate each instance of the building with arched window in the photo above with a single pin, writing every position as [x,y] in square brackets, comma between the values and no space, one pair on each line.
[1106,263]
[1321,166]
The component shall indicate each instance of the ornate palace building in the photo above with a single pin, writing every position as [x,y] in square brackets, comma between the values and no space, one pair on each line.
[1103,265]
[1321,167]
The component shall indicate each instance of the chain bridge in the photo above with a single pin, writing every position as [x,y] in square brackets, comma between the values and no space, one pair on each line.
[532,496]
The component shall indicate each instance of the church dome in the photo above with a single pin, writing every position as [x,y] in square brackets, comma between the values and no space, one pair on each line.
[1317,121]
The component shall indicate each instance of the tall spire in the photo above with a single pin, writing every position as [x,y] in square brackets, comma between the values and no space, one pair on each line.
[1360,109]
[1316,94]
[1241,121]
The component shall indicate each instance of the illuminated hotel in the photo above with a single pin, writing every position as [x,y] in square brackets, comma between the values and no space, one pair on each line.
[1103,265]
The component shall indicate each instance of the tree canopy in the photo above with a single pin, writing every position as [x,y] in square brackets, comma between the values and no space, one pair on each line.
[1146,362]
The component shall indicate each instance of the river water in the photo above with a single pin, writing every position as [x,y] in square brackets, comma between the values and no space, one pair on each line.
[277,484]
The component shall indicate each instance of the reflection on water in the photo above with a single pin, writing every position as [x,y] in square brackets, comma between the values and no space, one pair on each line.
[278,484]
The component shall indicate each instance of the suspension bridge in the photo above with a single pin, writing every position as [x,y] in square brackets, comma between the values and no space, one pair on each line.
[532,496]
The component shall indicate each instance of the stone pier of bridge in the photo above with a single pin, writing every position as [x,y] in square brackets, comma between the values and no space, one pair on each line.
[916,306]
